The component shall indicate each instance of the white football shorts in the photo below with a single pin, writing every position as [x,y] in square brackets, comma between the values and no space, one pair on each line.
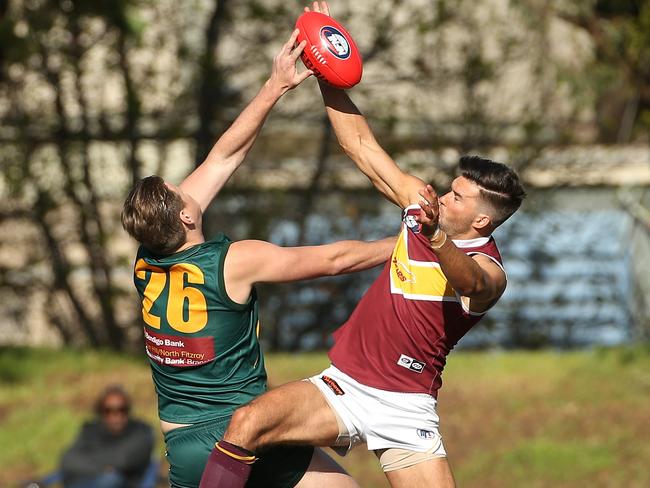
[381,419]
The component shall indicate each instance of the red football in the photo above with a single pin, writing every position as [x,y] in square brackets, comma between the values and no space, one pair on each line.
[330,51]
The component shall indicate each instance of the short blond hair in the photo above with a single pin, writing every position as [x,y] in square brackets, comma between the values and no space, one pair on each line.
[151,215]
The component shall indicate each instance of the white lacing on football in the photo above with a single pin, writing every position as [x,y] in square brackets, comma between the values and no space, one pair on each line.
[321,59]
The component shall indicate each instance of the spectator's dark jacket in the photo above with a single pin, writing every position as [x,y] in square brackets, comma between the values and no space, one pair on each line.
[96,450]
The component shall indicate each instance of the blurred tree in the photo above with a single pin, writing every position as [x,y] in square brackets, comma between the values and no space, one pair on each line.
[46,51]
[94,95]
[210,92]
[56,57]
[620,71]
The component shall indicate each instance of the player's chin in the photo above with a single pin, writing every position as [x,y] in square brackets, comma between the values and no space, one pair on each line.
[442,224]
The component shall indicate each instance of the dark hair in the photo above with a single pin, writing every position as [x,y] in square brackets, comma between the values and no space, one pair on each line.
[499,185]
[112,390]
[151,216]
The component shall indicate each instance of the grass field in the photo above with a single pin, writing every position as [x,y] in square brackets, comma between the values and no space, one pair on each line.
[539,419]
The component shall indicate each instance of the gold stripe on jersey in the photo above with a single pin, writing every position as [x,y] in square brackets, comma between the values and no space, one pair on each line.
[417,280]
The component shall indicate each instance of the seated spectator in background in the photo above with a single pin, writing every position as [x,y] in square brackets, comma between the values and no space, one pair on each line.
[111,451]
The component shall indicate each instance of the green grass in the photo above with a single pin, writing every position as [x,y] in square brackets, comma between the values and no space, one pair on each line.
[540,419]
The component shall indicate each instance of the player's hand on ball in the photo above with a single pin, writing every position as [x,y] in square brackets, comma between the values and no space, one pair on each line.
[284,74]
[330,52]
[321,7]
[429,211]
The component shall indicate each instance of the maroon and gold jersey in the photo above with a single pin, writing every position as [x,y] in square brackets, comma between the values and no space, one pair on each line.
[400,333]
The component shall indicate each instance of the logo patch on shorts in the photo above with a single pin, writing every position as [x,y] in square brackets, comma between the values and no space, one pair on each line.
[426,434]
[409,363]
[333,385]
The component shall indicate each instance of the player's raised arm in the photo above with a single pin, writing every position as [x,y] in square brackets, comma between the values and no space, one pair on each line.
[359,143]
[229,152]
[249,262]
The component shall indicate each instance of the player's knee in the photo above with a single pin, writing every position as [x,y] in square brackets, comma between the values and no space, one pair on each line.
[245,427]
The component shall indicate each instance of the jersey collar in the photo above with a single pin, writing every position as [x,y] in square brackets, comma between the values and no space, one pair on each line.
[478,242]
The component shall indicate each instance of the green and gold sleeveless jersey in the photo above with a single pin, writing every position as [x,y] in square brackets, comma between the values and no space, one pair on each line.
[203,347]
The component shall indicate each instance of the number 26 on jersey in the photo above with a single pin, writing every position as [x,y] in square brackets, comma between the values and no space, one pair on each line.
[188,320]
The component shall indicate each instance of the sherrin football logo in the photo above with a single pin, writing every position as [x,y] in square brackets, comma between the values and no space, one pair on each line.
[335,42]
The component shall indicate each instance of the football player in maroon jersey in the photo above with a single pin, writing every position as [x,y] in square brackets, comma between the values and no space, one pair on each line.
[445,273]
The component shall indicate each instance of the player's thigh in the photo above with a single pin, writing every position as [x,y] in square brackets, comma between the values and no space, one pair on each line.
[293,413]
[434,473]
[324,472]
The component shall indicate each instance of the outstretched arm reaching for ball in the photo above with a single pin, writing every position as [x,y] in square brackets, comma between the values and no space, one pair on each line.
[359,143]
[250,262]
[357,140]
[229,152]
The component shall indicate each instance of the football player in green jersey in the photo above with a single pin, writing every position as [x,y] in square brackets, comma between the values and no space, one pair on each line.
[200,308]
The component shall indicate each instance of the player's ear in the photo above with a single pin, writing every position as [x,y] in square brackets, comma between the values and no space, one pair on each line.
[482,221]
[186,218]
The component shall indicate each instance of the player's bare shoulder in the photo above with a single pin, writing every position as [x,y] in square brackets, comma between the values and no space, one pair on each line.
[496,283]
[242,257]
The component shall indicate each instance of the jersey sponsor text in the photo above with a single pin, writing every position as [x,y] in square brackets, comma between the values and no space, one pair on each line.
[172,351]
